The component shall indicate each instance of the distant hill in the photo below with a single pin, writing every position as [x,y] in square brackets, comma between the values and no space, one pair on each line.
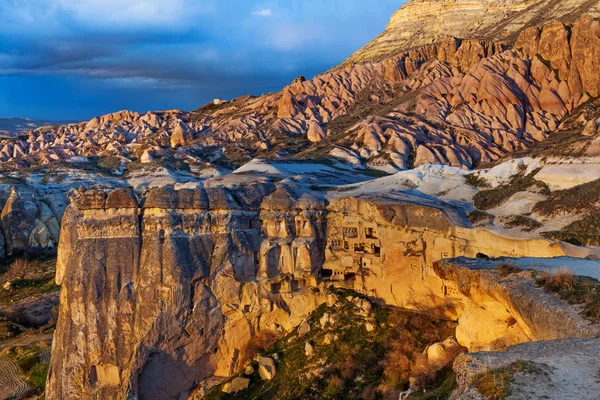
[13,126]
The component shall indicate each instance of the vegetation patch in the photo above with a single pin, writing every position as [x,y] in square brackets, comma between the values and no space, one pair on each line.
[355,362]
[443,388]
[477,181]
[479,217]
[28,277]
[580,199]
[585,232]
[491,198]
[495,384]
[525,223]
[375,173]
[574,290]
[9,330]
[33,361]
[506,269]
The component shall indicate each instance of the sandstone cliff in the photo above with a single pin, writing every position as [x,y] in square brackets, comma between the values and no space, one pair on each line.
[163,291]
[179,282]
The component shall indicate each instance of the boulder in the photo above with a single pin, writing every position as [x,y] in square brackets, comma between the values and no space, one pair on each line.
[324,320]
[309,350]
[440,354]
[303,329]
[328,339]
[236,385]
[266,368]
[370,326]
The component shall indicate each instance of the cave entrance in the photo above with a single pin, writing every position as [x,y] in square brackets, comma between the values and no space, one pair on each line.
[349,275]
[326,273]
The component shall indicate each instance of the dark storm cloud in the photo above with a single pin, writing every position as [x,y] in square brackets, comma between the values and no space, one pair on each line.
[162,48]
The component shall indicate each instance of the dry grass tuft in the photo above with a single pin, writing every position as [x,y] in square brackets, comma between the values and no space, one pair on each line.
[506,269]
[404,358]
[561,281]
[20,268]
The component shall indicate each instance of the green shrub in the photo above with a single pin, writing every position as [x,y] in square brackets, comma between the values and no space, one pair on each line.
[527,224]
[477,181]
[488,199]
[477,216]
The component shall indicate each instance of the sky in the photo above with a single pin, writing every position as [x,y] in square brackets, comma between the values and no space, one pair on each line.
[75,59]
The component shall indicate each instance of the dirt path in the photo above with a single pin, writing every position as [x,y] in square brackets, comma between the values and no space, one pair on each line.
[12,381]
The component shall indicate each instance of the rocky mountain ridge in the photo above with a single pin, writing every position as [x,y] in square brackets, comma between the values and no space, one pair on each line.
[455,102]
[13,126]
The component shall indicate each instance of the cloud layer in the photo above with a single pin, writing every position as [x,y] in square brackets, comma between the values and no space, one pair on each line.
[168,54]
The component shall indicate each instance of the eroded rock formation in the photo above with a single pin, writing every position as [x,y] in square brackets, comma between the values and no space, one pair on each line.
[458,99]
[161,294]
[27,221]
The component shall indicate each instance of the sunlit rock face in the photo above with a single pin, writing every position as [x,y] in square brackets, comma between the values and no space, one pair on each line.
[161,295]
[421,22]
[163,292]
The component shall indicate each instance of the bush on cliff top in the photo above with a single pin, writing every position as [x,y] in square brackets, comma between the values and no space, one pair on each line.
[491,198]
[574,290]
[584,232]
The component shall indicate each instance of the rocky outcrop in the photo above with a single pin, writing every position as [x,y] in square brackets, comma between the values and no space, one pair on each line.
[571,52]
[196,254]
[27,221]
[176,284]
[508,310]
[420,22]
[35,311]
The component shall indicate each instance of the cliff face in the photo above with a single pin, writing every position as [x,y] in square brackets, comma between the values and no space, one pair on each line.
[421,22]
[171,287]
[156,297]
